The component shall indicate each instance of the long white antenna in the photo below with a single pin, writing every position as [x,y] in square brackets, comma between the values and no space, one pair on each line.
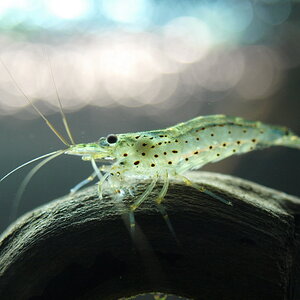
[49,124]
[28,177]
[29,162]
[64,118]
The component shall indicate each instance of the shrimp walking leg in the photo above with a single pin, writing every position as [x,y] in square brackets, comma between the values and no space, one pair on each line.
[138,202]
[203,190]
[163,212]
[164,189]
[146,193]
[100,185]
[82,183]
[160,207]
[131,222]
[96,169]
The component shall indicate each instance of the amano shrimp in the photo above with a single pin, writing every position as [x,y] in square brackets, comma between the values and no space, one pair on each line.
[170,152]
[162,154]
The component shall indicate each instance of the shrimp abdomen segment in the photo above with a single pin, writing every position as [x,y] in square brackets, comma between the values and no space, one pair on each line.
[213,138]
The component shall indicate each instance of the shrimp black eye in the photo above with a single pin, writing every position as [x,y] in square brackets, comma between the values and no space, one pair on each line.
[111,139]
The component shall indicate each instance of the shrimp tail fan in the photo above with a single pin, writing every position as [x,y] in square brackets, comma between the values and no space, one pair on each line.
[294,142]
[289,140]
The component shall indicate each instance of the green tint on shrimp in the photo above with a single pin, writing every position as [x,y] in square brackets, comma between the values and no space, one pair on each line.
[160,154]
[165,153]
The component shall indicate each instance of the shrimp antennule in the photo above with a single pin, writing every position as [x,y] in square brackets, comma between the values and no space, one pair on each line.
[49,124]
[63,116]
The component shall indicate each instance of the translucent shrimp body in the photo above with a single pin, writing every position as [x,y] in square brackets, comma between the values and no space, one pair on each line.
[159,154]
[175,150]
[186,146]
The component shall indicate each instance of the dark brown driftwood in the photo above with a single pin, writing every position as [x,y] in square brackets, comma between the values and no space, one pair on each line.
[78,247]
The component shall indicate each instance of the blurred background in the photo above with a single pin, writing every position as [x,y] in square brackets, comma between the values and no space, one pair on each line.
[134,65]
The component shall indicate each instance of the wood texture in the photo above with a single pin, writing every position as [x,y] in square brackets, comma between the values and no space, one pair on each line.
[79,248]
